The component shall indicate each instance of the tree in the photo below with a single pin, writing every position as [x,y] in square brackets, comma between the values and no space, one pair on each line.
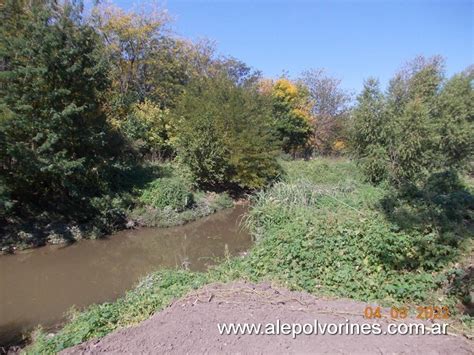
[456,119]
[149,71]
[130,40]
[291,114]
[147,61]
[225,134]
[420,128]
[239,72]
[411,144]
[330,106]
[412,118]
[369,134]
[56,145]
[150,129]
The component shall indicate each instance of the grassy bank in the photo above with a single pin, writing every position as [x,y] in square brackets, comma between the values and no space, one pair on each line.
[154,195]
[322,230]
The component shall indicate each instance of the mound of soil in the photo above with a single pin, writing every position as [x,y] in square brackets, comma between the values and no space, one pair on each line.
[189,325]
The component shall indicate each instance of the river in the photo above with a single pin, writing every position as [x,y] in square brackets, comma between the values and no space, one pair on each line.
[38,286]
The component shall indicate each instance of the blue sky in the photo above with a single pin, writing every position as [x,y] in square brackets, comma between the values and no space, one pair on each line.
[350,39]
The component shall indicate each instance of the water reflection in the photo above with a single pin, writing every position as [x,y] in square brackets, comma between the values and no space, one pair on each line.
[38,286]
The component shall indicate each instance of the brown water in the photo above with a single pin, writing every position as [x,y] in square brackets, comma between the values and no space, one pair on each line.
[39,285]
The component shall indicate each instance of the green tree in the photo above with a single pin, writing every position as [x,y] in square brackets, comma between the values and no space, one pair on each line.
[422,126]
[410,144]
[411,120]
[225,134]
[369,134]
[56,145]
[456,119]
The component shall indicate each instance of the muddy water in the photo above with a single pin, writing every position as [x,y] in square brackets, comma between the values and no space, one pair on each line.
[38,286]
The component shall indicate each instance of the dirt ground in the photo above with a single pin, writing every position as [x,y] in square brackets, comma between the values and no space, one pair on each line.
[189,326]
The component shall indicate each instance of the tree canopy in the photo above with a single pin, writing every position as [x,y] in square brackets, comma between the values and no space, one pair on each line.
[56,142]
[422,125]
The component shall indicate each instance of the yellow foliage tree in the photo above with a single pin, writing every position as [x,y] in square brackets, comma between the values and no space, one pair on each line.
[151,129]
[291,111]
[130,38]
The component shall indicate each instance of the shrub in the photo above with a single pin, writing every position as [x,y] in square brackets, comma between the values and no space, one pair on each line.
[168,192]
[225,135]
[204,205]
[422,126]
[150,129]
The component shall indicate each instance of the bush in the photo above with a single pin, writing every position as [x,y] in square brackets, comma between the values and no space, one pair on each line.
[150,129]
[205,204]
[168,192]
[422,126]
[225,135]
[443,203]
[373,164]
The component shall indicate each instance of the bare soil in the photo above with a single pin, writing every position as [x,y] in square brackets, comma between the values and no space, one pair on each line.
[189,326]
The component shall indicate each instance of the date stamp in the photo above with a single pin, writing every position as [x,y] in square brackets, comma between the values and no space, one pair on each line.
[421,312]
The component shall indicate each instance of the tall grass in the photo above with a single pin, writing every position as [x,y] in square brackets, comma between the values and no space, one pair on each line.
[324,230]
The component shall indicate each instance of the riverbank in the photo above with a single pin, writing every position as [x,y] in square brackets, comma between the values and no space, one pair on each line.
[190,325]
[321,230]
[153,196]
[39,286]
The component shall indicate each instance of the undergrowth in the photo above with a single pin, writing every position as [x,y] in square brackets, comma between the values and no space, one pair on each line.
[324,230]
[171,200]
[153,195]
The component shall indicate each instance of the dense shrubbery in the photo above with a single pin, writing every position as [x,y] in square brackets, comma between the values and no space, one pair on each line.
[169,199]
[205,204]
[418,139]
[225,134]
[422,126]
[168,192]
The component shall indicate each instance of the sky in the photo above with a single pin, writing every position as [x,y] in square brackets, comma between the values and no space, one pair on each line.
[352,40]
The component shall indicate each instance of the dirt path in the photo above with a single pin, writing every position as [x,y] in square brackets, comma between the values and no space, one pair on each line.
[190,326]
